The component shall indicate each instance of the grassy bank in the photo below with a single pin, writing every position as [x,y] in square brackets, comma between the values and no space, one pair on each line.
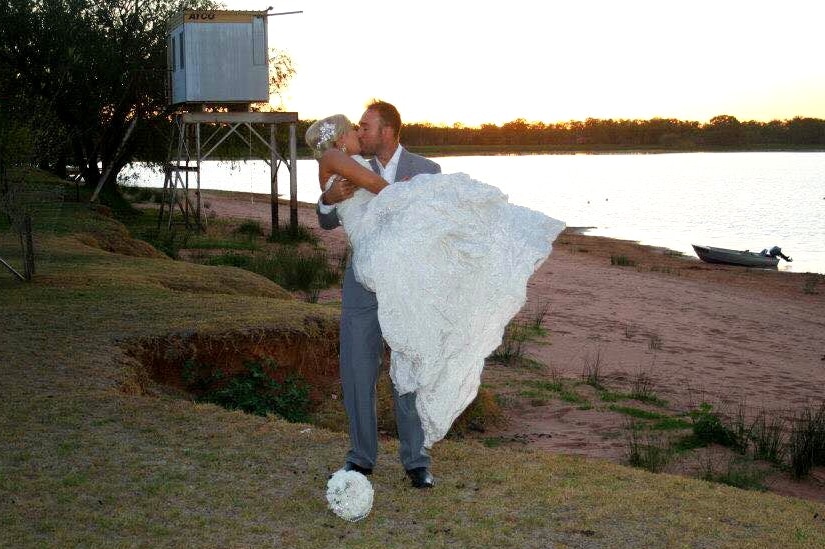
[96,452]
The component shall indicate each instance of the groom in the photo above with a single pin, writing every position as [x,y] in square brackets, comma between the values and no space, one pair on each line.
[362,346]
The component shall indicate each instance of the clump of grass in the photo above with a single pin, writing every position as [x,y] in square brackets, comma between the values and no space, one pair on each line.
[654,341]
[670,424]
[739,472]
[592,370]
[767,436]
[168,241]
[143,194]
[612,396]
[250,228]
[622,261]
[806,445]
[642,389]
[637,413]
[646,450]
[288,267]
[539,390]
[740,429]
[511,350]
[287,234]
[538,312]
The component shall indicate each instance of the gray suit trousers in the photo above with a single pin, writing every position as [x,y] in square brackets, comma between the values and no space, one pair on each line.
[362,349]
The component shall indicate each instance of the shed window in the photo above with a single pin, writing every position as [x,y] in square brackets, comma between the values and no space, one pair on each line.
[181,50]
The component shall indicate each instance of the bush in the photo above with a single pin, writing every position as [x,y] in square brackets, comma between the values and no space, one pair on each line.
[250,228]
[708,427]
[253,391]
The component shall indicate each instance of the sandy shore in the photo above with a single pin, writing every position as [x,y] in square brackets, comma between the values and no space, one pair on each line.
[704,333]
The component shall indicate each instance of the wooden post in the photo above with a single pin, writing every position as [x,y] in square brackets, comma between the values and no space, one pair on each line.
[273,180]
[167,171]
[28,249]
[199,221]
[293,178]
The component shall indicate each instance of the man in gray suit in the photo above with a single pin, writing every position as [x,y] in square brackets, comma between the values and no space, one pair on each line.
[362,345]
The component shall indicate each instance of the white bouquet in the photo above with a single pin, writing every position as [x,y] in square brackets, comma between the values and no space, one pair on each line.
[349,494]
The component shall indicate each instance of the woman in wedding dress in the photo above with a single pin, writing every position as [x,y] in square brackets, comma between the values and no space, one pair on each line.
[448,258]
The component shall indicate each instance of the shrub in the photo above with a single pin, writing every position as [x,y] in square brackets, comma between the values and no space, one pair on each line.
[250,228]
[708,427]
[255,392]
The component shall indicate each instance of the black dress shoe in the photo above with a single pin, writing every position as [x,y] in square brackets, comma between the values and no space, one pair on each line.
[349,466]
[421,477]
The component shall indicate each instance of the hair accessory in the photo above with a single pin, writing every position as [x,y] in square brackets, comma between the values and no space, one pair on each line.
[326,132]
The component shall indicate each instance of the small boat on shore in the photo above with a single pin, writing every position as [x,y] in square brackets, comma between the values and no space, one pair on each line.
[743,258]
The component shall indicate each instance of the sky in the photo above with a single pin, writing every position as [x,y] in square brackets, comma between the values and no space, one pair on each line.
[477,62]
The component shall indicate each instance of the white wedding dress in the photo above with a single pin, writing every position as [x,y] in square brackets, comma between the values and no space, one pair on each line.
[448,258]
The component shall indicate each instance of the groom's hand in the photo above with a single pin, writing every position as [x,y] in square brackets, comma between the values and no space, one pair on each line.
[340,190]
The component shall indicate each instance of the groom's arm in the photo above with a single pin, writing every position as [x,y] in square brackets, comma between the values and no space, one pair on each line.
[340,190]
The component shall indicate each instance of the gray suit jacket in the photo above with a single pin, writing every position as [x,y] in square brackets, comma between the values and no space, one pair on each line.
[354,295]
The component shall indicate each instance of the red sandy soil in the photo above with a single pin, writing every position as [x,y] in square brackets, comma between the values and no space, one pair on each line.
[704,333]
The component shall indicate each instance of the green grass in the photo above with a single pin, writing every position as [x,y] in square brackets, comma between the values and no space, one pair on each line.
[95,454]
[637,413]
[548,389]
[622,261]
[737,472]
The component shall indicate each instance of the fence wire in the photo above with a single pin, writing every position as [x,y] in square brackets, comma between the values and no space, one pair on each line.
[28,210]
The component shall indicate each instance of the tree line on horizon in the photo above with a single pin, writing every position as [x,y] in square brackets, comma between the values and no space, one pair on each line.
[723,131]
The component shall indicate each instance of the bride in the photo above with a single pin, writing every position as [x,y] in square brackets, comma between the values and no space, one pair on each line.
[448,258]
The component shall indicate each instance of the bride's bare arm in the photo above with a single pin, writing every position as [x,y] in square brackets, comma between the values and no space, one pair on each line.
[336,162]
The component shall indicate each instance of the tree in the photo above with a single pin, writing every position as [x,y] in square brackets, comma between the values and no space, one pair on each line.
[97,66]
[725,130]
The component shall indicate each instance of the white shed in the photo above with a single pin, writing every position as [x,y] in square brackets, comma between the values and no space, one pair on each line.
[218,57]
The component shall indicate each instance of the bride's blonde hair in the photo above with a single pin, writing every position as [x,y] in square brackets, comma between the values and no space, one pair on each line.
[323,134]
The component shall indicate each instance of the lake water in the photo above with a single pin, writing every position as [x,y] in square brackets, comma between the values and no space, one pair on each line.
[730,200]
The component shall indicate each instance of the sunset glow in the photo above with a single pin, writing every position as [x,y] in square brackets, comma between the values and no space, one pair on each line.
[493,62]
